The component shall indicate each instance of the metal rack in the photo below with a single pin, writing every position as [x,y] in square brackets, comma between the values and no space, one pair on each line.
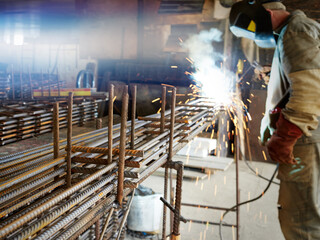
[71,188]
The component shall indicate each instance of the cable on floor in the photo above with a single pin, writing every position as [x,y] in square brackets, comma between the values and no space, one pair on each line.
[242,203]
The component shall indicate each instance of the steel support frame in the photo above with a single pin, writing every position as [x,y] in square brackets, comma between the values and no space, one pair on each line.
[237,225]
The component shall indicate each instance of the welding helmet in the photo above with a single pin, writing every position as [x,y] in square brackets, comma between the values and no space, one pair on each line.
[249,19]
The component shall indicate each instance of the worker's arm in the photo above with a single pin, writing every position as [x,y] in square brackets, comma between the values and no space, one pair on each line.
[300,59]
[301,64]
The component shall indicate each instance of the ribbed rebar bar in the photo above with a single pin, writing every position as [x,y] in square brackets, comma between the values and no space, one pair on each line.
[52,202]
[176,219]
[51,214]
[163,108]
[56,129]
[32,197]
[75,213]
[110,122]
[42,222]
[133,115]
[106,223]
[69,139]
[30,173]
[29,185]
[124,118]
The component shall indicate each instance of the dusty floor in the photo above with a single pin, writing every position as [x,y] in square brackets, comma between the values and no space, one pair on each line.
[258,220]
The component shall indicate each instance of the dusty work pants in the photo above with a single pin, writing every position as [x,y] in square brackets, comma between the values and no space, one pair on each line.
[299,194]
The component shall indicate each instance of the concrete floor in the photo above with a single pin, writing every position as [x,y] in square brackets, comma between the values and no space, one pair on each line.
[258,220]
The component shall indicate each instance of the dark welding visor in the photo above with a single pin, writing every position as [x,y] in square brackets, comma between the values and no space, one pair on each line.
[249,19]
[244,27]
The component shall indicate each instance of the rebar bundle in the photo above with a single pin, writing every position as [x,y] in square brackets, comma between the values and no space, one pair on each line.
[23,119]
[36,204]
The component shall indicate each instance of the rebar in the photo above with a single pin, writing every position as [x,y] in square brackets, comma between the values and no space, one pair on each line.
[30,185]
[176,220]
[73,214]
[110,122]
[133,115]
[31,173]
[124,116]
[56,130]
[127,152]
[69,137]
[106,223]
[32,197]
[30,230]
[48,218]
[163,108]
[124,218]
[52,202]
[98,123]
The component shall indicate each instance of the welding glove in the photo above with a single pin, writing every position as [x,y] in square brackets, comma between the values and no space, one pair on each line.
[280,146]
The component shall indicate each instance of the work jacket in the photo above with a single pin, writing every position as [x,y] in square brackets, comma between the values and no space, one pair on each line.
[294,83]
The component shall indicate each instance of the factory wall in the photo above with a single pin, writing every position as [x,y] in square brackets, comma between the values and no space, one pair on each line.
[108,30]
[98,30]
[111,31]
[40,57]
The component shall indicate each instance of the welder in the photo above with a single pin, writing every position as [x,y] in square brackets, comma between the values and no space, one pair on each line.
[290,126]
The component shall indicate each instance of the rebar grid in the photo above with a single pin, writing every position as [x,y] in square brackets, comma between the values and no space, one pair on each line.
[91,171]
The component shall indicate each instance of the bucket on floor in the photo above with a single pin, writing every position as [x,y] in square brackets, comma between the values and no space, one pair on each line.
[145,213]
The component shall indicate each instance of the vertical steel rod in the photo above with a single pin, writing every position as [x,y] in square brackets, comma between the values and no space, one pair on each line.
[110,122]
[98,123]
[69,136]
[171,199]
[97,229]
[237,153]
[133,114]
[106,223]
[172,120]
[56,129]
[123,129]
[125,216]
[165,196]
[115,223]
[163,108]
[176,220]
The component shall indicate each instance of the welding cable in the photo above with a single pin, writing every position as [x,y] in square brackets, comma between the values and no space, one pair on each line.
[258,174]
[249,201]
[250,158]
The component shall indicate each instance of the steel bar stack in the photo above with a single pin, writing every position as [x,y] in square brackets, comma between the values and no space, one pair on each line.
[37,203]
[24,119]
